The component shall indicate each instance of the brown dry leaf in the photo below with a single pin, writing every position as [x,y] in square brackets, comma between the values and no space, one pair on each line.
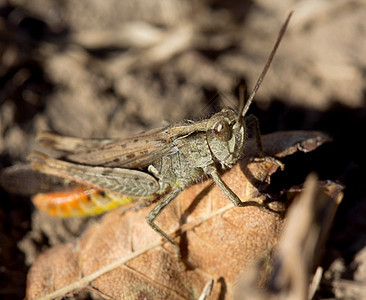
[122,257]
[299,249]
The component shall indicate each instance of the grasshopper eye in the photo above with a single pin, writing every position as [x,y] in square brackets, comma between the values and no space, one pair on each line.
[222,131]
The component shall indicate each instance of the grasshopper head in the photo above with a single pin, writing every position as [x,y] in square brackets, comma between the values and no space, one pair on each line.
[225,136]
[226,129]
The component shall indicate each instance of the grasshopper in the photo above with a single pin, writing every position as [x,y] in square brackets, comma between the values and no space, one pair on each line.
[162,161]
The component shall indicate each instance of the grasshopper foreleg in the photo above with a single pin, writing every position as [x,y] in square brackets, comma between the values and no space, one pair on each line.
[151,217]
[252,121]
[231,195]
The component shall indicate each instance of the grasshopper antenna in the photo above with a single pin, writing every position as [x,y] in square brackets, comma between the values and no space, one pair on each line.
[242,96]
[243,111]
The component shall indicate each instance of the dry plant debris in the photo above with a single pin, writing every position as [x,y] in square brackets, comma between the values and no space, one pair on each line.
[122,258]
[78,67]
[300,247]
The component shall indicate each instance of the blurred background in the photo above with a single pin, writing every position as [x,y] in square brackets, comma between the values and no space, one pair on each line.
[90,68]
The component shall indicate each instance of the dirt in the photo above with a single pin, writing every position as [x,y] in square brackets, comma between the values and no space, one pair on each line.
[115,68]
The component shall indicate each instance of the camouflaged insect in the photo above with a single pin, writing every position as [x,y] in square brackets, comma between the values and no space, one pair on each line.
[163,161]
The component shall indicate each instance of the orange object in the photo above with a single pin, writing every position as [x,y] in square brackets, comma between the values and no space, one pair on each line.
[79,201]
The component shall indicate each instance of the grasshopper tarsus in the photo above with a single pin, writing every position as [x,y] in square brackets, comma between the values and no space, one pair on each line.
[271,159]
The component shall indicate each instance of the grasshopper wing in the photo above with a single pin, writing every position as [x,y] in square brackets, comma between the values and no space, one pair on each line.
[134,152]
[123,181]
[21,179]
[70,144]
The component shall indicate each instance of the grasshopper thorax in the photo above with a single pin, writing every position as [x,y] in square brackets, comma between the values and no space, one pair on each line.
[225,136]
